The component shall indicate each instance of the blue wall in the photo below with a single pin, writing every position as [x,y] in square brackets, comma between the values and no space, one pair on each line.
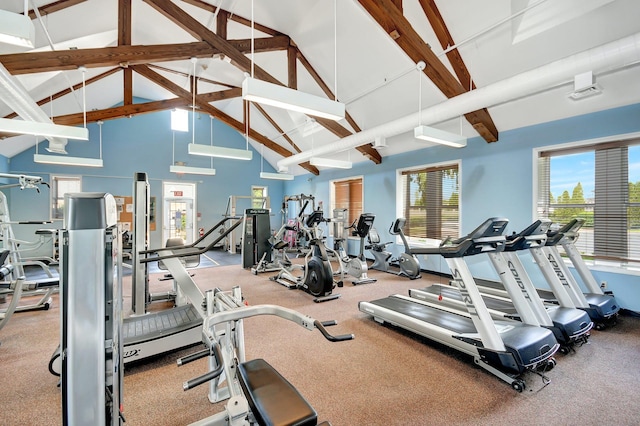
[496,180]
[144,144]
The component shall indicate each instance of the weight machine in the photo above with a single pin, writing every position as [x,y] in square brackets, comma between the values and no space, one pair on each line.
[256,392]
[92,365]
[17,285]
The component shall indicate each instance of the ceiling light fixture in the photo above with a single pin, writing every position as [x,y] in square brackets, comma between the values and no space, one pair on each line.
[330,162]
[220,152]
[16,29]
[36,128]
[276,176]
[438,136]
[266,93]
[64,160]
[192,170]
[267,175]
[431,134]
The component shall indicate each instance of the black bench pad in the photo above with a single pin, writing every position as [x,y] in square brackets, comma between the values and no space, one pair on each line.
[273,400]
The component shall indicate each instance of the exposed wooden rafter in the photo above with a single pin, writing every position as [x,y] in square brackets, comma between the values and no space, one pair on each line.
[215,112]
[54,7]
[126,111]
[389,16]
[124,39]
[35,62]
[200,32]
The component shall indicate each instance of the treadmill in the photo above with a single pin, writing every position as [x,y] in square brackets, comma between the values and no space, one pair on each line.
[520,300]
[601,307]
[505,348]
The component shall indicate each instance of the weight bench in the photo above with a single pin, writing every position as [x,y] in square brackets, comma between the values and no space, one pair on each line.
[272,399]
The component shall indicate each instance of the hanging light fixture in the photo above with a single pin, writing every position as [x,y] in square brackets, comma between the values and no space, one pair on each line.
[274,176]
[16,29]
[180,168]
[65,160]
[431,134]
[266,93]
[330,162]
[218,151]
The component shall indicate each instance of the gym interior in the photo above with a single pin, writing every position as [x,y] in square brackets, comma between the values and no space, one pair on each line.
[459,245]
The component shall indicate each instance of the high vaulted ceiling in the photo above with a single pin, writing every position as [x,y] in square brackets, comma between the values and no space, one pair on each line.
[364,52]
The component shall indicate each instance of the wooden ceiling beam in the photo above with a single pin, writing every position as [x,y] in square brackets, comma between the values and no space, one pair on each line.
[277,127]
[188,23]
[385,11]
[200,32]
[126,111]
[54,7]
[233,17]
[480,120]
[367,150]
[124,39]
[215,112]
[62,60]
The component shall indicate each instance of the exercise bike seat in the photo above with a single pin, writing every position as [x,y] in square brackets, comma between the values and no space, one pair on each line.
[272,399]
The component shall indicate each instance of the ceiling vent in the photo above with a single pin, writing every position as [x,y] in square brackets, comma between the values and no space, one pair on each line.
[584,87]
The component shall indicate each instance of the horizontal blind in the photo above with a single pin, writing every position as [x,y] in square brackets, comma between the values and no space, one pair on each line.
[430,202]
[611,210]
[348,195]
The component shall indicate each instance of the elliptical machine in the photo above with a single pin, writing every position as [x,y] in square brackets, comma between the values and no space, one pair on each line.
[356,266]
[317,277]
[407,262]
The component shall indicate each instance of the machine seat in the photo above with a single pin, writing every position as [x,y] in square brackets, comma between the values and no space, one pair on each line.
[273,400]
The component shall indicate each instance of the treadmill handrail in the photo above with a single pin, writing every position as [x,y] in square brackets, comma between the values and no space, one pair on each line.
[197,251]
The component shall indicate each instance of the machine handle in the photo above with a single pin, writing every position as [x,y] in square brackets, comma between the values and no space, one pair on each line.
[304,206]
[193,357]
[215,351]
[319,325]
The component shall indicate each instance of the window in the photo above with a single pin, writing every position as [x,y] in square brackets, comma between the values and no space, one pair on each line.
[429,201]
[259,198]
[180,120]
[600,184]
[60,185]
[347,194]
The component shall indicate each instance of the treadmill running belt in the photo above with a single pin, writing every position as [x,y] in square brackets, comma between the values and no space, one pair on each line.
[450,321]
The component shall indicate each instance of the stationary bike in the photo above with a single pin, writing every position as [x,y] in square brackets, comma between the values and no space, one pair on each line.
[317,277]
[357,266]
[379,251]
[407,262]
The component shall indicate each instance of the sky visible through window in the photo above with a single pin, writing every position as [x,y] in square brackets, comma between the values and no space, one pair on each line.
[568,170]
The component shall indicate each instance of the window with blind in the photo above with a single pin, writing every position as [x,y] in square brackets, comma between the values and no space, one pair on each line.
[430,202]
[347,194]
[600,184]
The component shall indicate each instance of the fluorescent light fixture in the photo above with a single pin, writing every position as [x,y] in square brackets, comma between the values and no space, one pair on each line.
[16,29]
[220,151]
[192,170]
[330,162]
[63,160]
[37,128]
[276,176]
[283,97]
[439,136]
